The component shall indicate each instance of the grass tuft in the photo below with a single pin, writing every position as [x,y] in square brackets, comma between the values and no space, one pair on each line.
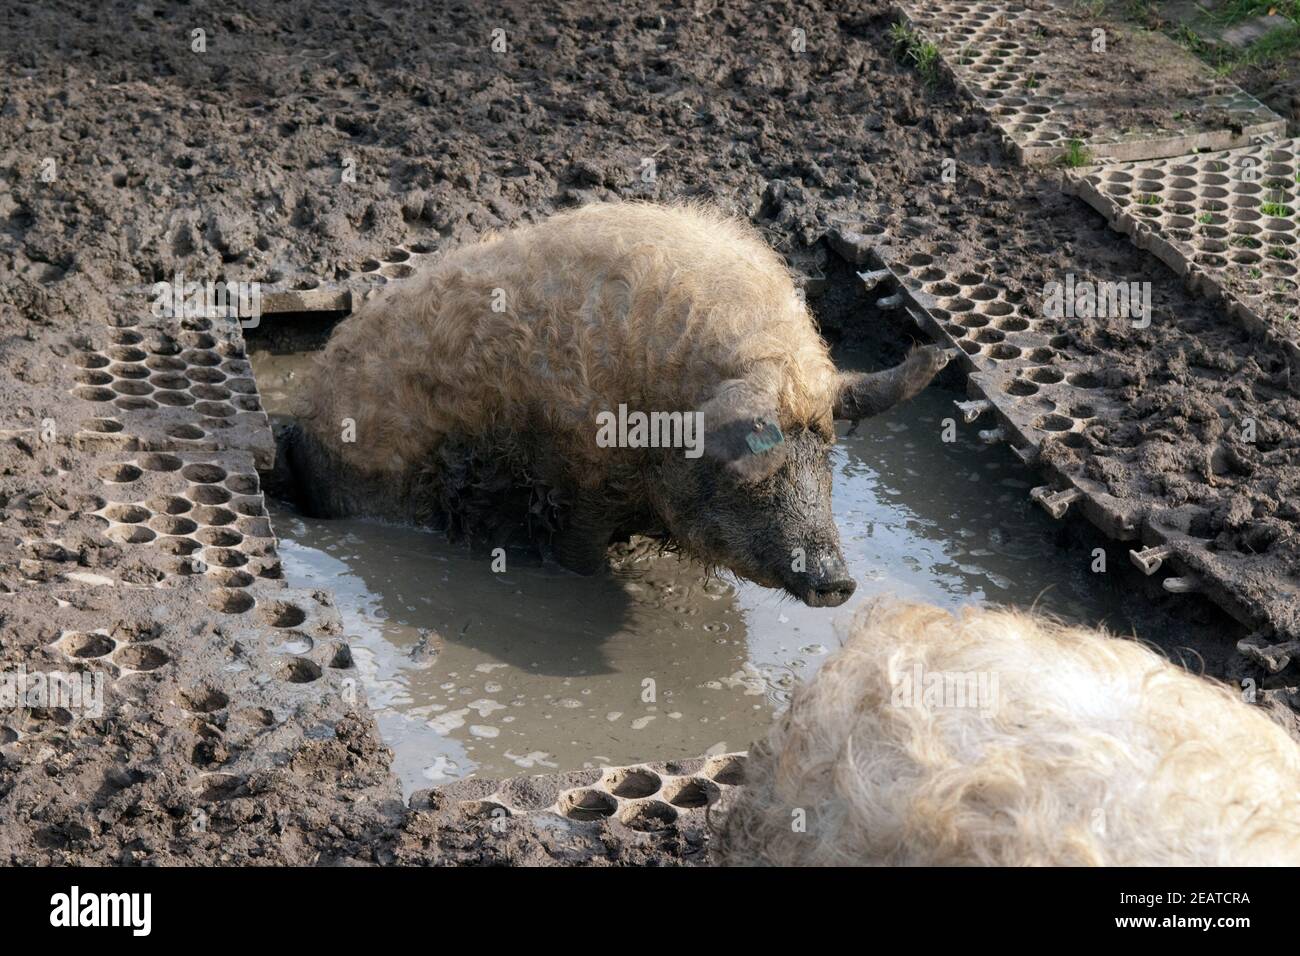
[1075,155]
[910,48]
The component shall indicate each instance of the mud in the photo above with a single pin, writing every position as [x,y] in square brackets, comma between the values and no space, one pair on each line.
[80,517]
[211,745]
[231,164]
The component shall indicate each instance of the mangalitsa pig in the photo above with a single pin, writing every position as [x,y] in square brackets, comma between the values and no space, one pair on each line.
[620,369]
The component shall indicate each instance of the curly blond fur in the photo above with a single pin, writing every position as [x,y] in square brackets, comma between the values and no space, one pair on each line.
[653,306]
[1089,750]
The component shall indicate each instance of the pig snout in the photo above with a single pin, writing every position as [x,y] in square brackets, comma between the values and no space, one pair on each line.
[825,582]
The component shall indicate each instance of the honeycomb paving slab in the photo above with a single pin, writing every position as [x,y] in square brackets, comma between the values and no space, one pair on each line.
[1029,389]
[133,308]
[644,813]
[1252,588]
[954,25]
[71,517]
[216,698]
[352,283]
[258,646]
[1228,222]
[1036,69]
[147,384]
[647,796]
[1026,388]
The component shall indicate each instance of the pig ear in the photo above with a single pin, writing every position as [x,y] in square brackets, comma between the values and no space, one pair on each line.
[863,394]
[741,430]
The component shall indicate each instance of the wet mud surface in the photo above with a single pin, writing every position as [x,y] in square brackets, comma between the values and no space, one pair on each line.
[237,163]
[195,741]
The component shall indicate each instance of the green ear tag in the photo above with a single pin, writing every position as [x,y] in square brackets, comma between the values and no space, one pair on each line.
[764,436]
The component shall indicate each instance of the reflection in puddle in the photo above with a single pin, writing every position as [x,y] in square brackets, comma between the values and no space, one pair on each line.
[535,669]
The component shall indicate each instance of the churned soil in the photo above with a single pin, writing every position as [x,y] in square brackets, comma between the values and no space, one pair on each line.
[308,137]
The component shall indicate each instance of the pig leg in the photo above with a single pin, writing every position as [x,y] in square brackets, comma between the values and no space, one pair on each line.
[864,394]
[581,544]
[323,486]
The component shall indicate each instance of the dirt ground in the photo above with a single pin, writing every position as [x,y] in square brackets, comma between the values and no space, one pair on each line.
[237,163]
[1263,62]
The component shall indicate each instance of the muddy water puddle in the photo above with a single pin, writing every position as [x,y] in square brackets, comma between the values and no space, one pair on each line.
[472,671]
